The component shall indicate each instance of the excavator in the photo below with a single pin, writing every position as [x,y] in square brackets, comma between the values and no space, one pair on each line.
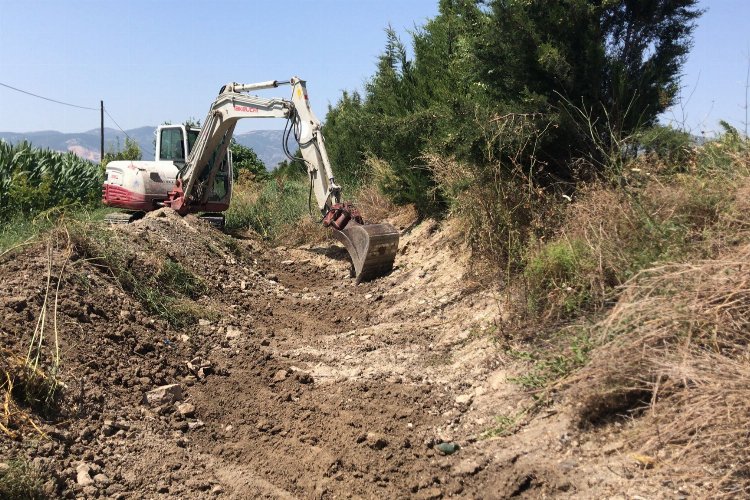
[192,173]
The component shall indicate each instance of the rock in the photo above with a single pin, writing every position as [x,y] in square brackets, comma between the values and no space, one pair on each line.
[161,487]
[198,424]
[90,491]
[203,322]
[49,488]
[127,315]
[181,426]
[233,333]
[186,409]
[83,475]
[165,394]
[464,399]
[108,429]
[284,263]
[200,367]
[429,494]
[447,448]
[217,490]
[466,468]
[280,376]
[265,342]
[101,479]
[304,377]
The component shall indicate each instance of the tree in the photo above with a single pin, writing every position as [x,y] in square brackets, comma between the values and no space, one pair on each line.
[614,62]
[131,152]
[245,159]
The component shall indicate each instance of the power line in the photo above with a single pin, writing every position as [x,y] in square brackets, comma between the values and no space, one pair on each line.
[69,104]
[118,126]
[47,98]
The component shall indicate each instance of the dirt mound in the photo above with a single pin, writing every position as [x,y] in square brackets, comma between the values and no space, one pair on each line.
[258,412]
[194,364]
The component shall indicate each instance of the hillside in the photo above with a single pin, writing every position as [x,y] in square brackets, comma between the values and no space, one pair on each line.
[266,143]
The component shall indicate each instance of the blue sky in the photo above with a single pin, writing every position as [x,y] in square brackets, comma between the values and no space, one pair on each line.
[156,61]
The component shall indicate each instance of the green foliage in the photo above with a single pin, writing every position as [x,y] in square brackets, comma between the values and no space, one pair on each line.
[671,147]
[549,365]
[244,159]
[176,278]
[557,274]
[131,152]
[292,169]
[269,207]
[33,180]
[617,62]
[725,154]
[20,481]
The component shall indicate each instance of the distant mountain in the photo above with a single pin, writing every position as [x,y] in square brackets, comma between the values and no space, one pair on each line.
[265,143]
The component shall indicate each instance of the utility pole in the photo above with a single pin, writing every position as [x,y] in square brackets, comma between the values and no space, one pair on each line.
[101,135]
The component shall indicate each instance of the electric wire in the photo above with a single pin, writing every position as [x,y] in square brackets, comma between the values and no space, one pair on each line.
[47,98]
[71,105]
[121,130]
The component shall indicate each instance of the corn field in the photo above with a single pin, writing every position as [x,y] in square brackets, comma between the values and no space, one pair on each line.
[33,180]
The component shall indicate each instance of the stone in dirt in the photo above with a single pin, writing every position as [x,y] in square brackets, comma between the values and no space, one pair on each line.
[280,376]
[466,468]
[200,367]
[447,448]
[186,409]
[464,399]
[83,475]
[166,394]
[233,333]
[101,479]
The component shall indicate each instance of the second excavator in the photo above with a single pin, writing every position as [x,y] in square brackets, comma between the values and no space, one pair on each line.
[202,181]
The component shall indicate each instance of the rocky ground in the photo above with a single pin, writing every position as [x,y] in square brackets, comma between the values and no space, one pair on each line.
[294,382]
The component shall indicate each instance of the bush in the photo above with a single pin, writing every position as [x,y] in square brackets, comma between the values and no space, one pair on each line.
[268,207]
[19,480]
[557,277]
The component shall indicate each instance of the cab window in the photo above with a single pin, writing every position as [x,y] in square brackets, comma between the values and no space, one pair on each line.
[192,136]
[171,146]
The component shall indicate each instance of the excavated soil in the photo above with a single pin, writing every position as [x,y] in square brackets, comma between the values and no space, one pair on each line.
[295,383]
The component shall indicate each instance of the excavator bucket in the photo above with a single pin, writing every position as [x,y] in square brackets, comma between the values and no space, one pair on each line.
[372,248]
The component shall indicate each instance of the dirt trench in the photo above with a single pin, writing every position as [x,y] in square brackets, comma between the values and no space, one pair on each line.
[295,383]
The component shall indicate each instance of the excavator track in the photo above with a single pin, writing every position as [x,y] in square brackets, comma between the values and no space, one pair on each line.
[123,217]
[372,248]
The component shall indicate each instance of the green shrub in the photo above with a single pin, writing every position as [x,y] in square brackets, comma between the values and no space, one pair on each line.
[557,276]
[268,207]
[20,480]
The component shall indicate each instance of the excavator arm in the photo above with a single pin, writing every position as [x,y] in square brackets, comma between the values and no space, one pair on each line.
[372,247]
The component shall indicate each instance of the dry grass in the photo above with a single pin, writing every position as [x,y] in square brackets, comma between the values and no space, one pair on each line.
[21,382]
[674,355]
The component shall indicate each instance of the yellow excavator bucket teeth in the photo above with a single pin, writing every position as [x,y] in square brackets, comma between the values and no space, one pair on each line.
[372,248]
